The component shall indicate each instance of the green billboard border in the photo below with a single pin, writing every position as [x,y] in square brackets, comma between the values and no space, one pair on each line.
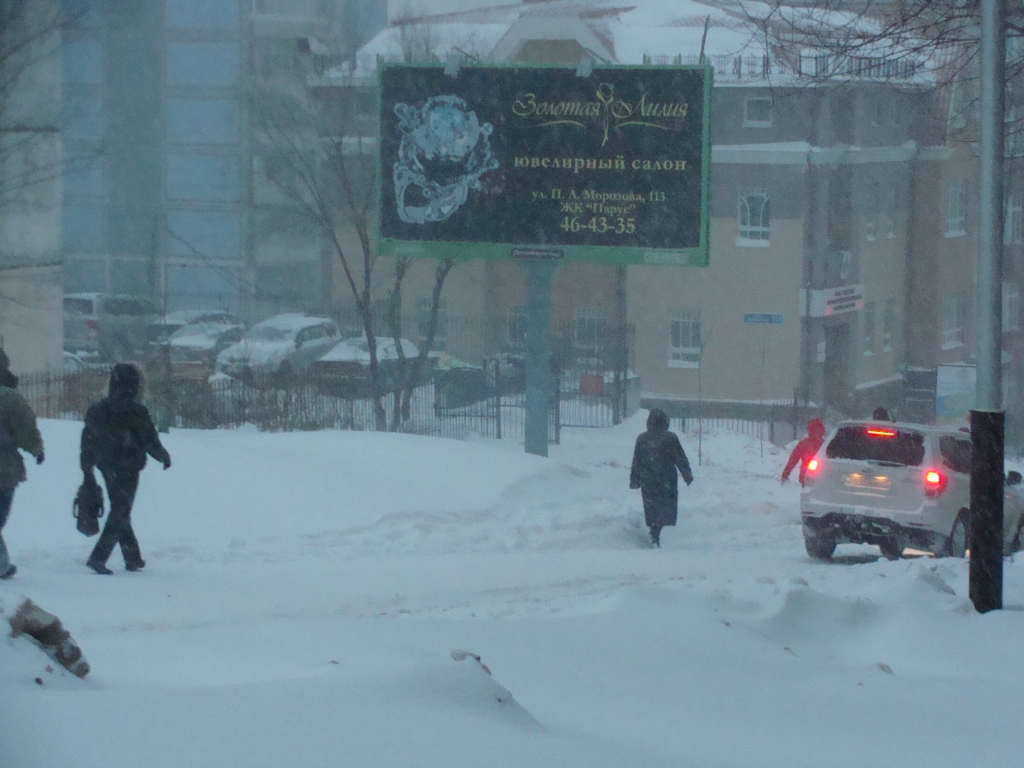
[593,254]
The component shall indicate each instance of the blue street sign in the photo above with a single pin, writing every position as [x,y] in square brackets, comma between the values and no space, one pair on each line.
[763,319]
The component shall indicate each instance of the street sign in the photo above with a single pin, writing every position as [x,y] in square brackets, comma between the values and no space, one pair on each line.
[505,162]
[759,319]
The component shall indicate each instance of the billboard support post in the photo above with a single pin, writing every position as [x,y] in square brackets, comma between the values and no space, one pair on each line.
[987,420]
[538,353]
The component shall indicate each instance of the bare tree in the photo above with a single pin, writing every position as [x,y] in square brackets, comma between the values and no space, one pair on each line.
[894,40]
[321,162]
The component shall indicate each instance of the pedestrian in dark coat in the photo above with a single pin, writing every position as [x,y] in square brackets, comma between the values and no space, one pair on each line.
[18,430]
[118,435]
[805,450]
[657,458]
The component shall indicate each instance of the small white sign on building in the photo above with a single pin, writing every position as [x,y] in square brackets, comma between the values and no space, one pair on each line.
[826,302]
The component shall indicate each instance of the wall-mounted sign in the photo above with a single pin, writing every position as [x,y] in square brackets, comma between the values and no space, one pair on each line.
[613,167]
[832,301]
[763,319]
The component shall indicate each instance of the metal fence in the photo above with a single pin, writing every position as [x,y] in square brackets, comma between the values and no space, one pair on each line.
[460,404]
[775,431]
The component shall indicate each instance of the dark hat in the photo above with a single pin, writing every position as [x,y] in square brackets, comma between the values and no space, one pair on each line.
[125,381]
[657,421]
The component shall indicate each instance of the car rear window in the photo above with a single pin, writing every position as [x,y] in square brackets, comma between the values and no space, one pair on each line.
[956,453]
[882,444]
[126,307]
[78,306]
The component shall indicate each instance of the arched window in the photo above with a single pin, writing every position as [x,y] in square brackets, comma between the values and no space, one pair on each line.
[754,217]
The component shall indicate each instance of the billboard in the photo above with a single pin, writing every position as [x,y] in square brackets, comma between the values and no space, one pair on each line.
[955,391]
[540,163]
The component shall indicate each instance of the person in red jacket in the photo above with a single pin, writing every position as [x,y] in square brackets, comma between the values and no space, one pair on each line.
[805,449]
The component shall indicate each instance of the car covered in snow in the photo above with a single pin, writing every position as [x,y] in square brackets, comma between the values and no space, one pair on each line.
[897,486]
[165,326]
[196,345]
[281,345]
[345,370]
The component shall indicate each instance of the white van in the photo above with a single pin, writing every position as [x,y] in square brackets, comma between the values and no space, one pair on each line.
[896,485]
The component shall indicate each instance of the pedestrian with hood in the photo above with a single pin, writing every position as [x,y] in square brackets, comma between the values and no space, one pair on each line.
[118,435]
[657,458]
[805,450]
[18,430]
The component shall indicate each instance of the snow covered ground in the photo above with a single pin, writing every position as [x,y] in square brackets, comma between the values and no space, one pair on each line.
[304,593]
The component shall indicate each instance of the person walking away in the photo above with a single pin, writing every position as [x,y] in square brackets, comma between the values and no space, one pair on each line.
[18,430]
[881,414]
[805,450]
[657,458]
[118,435]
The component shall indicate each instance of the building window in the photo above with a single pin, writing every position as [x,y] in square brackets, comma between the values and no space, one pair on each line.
[873,212]
[869,328]
[204,234]
[953,320]
[202,121]
[877,112]
[589,329]
[757,113]
[517,327]
[888,324]
[685,342]
[214,65]
[1013,224]
[889,223]
[956,209]
[754,218]
[440,331]
[1011,309]
[1010,142]
[214,178]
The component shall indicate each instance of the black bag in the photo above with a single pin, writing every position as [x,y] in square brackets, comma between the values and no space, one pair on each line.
[88,506]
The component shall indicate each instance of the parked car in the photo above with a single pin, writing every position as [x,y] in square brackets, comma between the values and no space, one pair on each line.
[108,328]
[162,328]
[282,345]
[345,370]
[194,347]
[896,485]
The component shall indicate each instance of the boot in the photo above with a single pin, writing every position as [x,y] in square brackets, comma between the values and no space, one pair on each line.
[99,567]
[138,565]
[9,572]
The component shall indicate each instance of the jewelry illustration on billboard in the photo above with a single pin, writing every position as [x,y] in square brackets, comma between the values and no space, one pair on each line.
[444,152]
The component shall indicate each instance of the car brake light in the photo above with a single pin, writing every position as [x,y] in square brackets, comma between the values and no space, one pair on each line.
[812,465]
[881,432]
[934,483]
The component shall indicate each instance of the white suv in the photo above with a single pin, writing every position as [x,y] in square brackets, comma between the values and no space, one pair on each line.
[896,485]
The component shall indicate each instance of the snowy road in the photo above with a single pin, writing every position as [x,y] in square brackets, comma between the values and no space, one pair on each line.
[304,591]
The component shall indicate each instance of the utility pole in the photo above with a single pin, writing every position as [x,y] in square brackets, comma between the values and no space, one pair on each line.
[987,419]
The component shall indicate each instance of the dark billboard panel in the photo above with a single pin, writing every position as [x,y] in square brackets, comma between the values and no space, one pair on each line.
[501,162]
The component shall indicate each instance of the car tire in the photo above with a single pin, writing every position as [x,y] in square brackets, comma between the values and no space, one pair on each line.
[891,550]
[959,541]
[820,547]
